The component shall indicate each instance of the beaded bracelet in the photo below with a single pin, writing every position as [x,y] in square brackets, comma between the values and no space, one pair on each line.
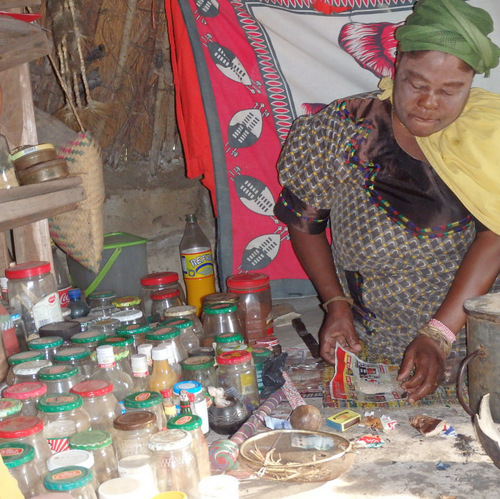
[445,330]
[437,335]
[348,299]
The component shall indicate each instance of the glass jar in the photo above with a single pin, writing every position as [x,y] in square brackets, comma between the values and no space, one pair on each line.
[28,371]
[147,401]
[9,407]
[255,304]
[108,325]
[199,404]
[155,282]
[227,342]
[131,305]
[162,334]
[192,424]
[121,348]
[99,403]
[47,345]
[217,319]
[19,458]
[33,294]
[271,343]
[88,339]
[102,312]
[170,338]
[260,356]
[20,330]
[62,415]
[135,331]
[86,323]
[60,378]
[29,430]
[162,300]
[174,463]
[78,357]
[200,369]
[73,457]
[20,358]
[132,433]
[202,351]
[65,330]
[219,298]
[139,468]
[185,312]
[188,337]
[237,372]
[98,442]
[28,393]
[77,480]
[101,299]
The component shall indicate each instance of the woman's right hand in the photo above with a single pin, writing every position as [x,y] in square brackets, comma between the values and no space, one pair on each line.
[338,327]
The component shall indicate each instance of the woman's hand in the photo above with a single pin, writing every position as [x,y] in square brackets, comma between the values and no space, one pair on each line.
[426,360]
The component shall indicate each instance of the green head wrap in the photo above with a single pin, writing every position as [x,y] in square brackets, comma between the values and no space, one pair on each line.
[454,27]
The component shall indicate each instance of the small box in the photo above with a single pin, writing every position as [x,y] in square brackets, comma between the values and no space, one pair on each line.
[343,420]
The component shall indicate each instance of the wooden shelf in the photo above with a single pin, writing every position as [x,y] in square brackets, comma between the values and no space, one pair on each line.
[30,203]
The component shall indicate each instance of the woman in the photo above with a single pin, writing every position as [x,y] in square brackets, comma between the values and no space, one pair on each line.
[414,205]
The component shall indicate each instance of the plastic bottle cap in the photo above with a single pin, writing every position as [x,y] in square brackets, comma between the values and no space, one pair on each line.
[189,386]
[157,278]
[178,322]
[46,342]
[186,422]
[67,478]
[145,348]
[61,371]
[20,426]
[169,440]
[161,352]
[92,388]
[234,357]
[59,402]
[28,269]
[139,363]
[27,390]
[105,355]
[90,440]
[75,294]
[9,407]
[71,457]
[15,454]
[142,400]
[15,317]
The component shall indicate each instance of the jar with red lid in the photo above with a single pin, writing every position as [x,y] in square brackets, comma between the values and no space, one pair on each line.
[99,402]
[188,337]
[60,378]
[237,375]
[28,393]
[219,318]
[48,345]
[271,343]
[255,304]
[29,430]
[9,408]
[155,282]
[33,294]
[161,300]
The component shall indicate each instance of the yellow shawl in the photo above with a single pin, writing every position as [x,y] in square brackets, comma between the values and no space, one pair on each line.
[466,154]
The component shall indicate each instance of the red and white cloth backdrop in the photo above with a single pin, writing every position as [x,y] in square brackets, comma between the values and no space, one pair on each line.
[243,71]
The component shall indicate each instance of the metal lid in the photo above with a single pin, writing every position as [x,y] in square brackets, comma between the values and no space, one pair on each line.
[134,420]
[127,301]
[27,390]
[198,362]
[219,308]
[90,440]
[157,278]
[186,422]
[21,357]
[92,388]
[488,305]
[141,400]
[9,407]
[179,311]
[20,426]
[59,402]
[71,353]
[15,454]
[67,478]
[228,337]
[248,281]
[117,341]
[164,294]
[64,329]
[163,333]
[88,337]
[28,269]
[46,342]
[61,371]
[133,329]
[31,367]
[169,440]
[127,315]
[181,323]
[71,457]
[234,357]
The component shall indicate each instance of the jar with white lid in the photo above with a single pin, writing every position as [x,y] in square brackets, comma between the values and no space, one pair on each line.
[48,346]
[139,467]
[28,371]
[132,306]
[19,458]
[188,337]
[20,358]
[62,415]
[77,480]
[88,339]
[162,300]
[155,282]
[185,312]
[140,372]
[122,346]
[77,356]
[122,488]
[99,443]
[135,331]
[73,457]
[9,407]
[217,319]
[201,369]
[174,462]
[146,349]
[147,401]
[29,430]
[60,378]
[198,400]
[99,402]
[33,294]
[132,433]
[28,393]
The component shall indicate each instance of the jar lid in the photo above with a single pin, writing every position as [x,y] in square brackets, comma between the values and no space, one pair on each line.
[179,311]
[64,329]
[108,323]
[27,390]
[159,278]
[228,337]
[9,407]
[28,269]
[71,457]
[161,352]
[134,420]
[101,295]
[127,301]
[25,150]
[67,478]
[128,315]
[61,371]
[117,341]
[15,454]
[186,422]
[87,337]
[247,281]
[203,351]
[71,353]
[189,386]
[59,402]
[169,440]
[90,440]
[164,294]
[267,341]
[85,322]
[199,362]
[92,388]
[19,358]
[179,322]
[260,355]
[46,342]
[20,426]
[234,357]
[31,367]
[219,308]
[221,298]
[141,400]
[163,333]
[133,329]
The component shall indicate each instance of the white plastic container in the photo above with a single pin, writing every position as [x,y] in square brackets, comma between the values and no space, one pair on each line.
[121,488]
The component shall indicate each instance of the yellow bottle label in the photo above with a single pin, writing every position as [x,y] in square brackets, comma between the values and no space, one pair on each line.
[197,265]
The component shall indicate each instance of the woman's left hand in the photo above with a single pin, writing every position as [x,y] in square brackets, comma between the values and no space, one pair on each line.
[424,357]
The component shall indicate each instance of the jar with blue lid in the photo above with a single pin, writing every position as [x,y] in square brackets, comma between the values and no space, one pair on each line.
[76,480]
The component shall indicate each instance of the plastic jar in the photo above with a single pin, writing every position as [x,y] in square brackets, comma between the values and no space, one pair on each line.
[135,331]
[65,330]
[132,433]
[77,480]
[147,401]
[19,458]
[227,342]
[217,319]
[9,407]
[99,403]
[139,468]
[101,299]
[122,488]
[33,294]
[60,378]
[28,371]
[28,393]
[174,462]
[200,369]
[192,424]
[259,356]
[20,358]
[185,312]
[121,348]
[155,282]
[188,337]
[78,357]
[255,304]
[28,430]
[271,343]
[73,457]
[88,339]
[62,415]
[237,371]
[99,443]
[108,325]
[199,404]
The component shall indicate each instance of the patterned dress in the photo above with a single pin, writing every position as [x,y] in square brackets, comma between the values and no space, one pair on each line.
[398,232]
